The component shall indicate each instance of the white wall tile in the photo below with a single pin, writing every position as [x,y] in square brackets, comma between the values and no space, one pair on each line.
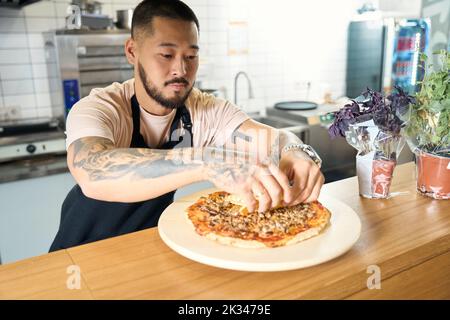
[217,24]
[35,40]
[43,8]
[8,24]
[107,9]
[61,9]
[9,12]
[38,25]
[44,112]
[8,72]
[37,56]
[57,99]
[41,85]
[23,100]
[122,6]
[11,56]
[218,36]
[55,85]
[13,40]
[43,99]
[201,12]
[60,23]
[29,113]
[217,49]
[126,2]
[103,2]
[256,71]
[195,3]
[218,12]
[13,87]
[43,70]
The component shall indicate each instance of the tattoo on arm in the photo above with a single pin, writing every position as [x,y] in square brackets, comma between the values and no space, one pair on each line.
[101,160]
[241,135]
[278,138]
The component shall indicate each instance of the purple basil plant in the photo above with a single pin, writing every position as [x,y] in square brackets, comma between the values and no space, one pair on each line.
[386,112]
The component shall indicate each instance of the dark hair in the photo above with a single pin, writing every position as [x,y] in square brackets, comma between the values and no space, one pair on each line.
[148,9]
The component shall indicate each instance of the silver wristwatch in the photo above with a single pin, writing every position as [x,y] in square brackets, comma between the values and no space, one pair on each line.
[306,149]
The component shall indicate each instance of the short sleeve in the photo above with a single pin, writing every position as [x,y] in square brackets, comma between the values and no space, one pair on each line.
[89,117]
[215,119]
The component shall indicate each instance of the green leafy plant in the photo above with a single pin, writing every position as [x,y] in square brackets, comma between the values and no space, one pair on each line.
[428,128]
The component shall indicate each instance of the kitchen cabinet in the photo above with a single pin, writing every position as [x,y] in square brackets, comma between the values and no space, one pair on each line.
[30,214]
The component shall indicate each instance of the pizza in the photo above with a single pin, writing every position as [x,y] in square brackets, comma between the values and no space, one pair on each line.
[223,217]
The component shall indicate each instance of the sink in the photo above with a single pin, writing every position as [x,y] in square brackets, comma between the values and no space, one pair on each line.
[298,128]
[279,123]
[273,122]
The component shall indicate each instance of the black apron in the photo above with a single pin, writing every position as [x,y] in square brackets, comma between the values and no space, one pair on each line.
[85,220]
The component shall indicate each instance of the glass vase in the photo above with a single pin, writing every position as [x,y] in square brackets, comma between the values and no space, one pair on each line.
[376,158]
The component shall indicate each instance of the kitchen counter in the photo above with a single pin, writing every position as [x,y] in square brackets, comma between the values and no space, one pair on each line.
[310,117]
[38,166]
[406,236]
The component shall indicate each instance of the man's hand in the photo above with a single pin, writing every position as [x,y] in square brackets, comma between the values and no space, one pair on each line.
[261,186]
[293,177]
[303,174]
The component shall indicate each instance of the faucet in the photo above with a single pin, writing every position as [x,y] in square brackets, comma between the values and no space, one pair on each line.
[250,90]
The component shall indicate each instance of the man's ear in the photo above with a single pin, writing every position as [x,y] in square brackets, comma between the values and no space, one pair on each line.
[131,50]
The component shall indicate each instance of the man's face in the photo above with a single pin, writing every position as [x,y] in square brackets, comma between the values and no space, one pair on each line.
[167,61]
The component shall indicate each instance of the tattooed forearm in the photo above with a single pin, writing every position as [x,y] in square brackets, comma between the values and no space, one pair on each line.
[101,161]
[231,172]
[99,158]
[264,141]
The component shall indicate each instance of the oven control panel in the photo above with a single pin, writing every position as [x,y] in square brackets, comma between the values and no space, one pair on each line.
[14,151]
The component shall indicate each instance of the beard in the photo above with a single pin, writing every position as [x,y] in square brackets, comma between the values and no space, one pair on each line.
[157,95]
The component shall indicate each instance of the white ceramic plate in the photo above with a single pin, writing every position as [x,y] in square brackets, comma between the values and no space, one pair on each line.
[178,233]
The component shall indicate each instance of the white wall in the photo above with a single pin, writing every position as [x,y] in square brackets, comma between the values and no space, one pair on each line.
[290,42]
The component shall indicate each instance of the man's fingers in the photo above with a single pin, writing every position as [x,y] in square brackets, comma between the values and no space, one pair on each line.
[316,190]
[249,200]
[300,184]
[314,175]
[262,196]
[272,186]
[283,181]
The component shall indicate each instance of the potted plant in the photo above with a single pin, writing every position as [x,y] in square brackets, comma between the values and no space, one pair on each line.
[427,130]
[372,124]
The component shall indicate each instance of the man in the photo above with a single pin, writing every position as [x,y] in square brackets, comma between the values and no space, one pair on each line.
[131,145]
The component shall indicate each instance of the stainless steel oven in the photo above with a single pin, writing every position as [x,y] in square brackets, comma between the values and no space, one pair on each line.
[85,60]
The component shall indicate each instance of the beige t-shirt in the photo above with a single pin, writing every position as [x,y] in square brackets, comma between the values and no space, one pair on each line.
[106,113]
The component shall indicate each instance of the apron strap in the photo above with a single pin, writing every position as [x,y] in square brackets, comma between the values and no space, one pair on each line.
[182,113]
[137,141]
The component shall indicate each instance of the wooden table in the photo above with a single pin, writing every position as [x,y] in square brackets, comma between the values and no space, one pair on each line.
[407,237]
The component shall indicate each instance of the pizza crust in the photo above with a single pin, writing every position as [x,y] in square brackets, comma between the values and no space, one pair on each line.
[254,244]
